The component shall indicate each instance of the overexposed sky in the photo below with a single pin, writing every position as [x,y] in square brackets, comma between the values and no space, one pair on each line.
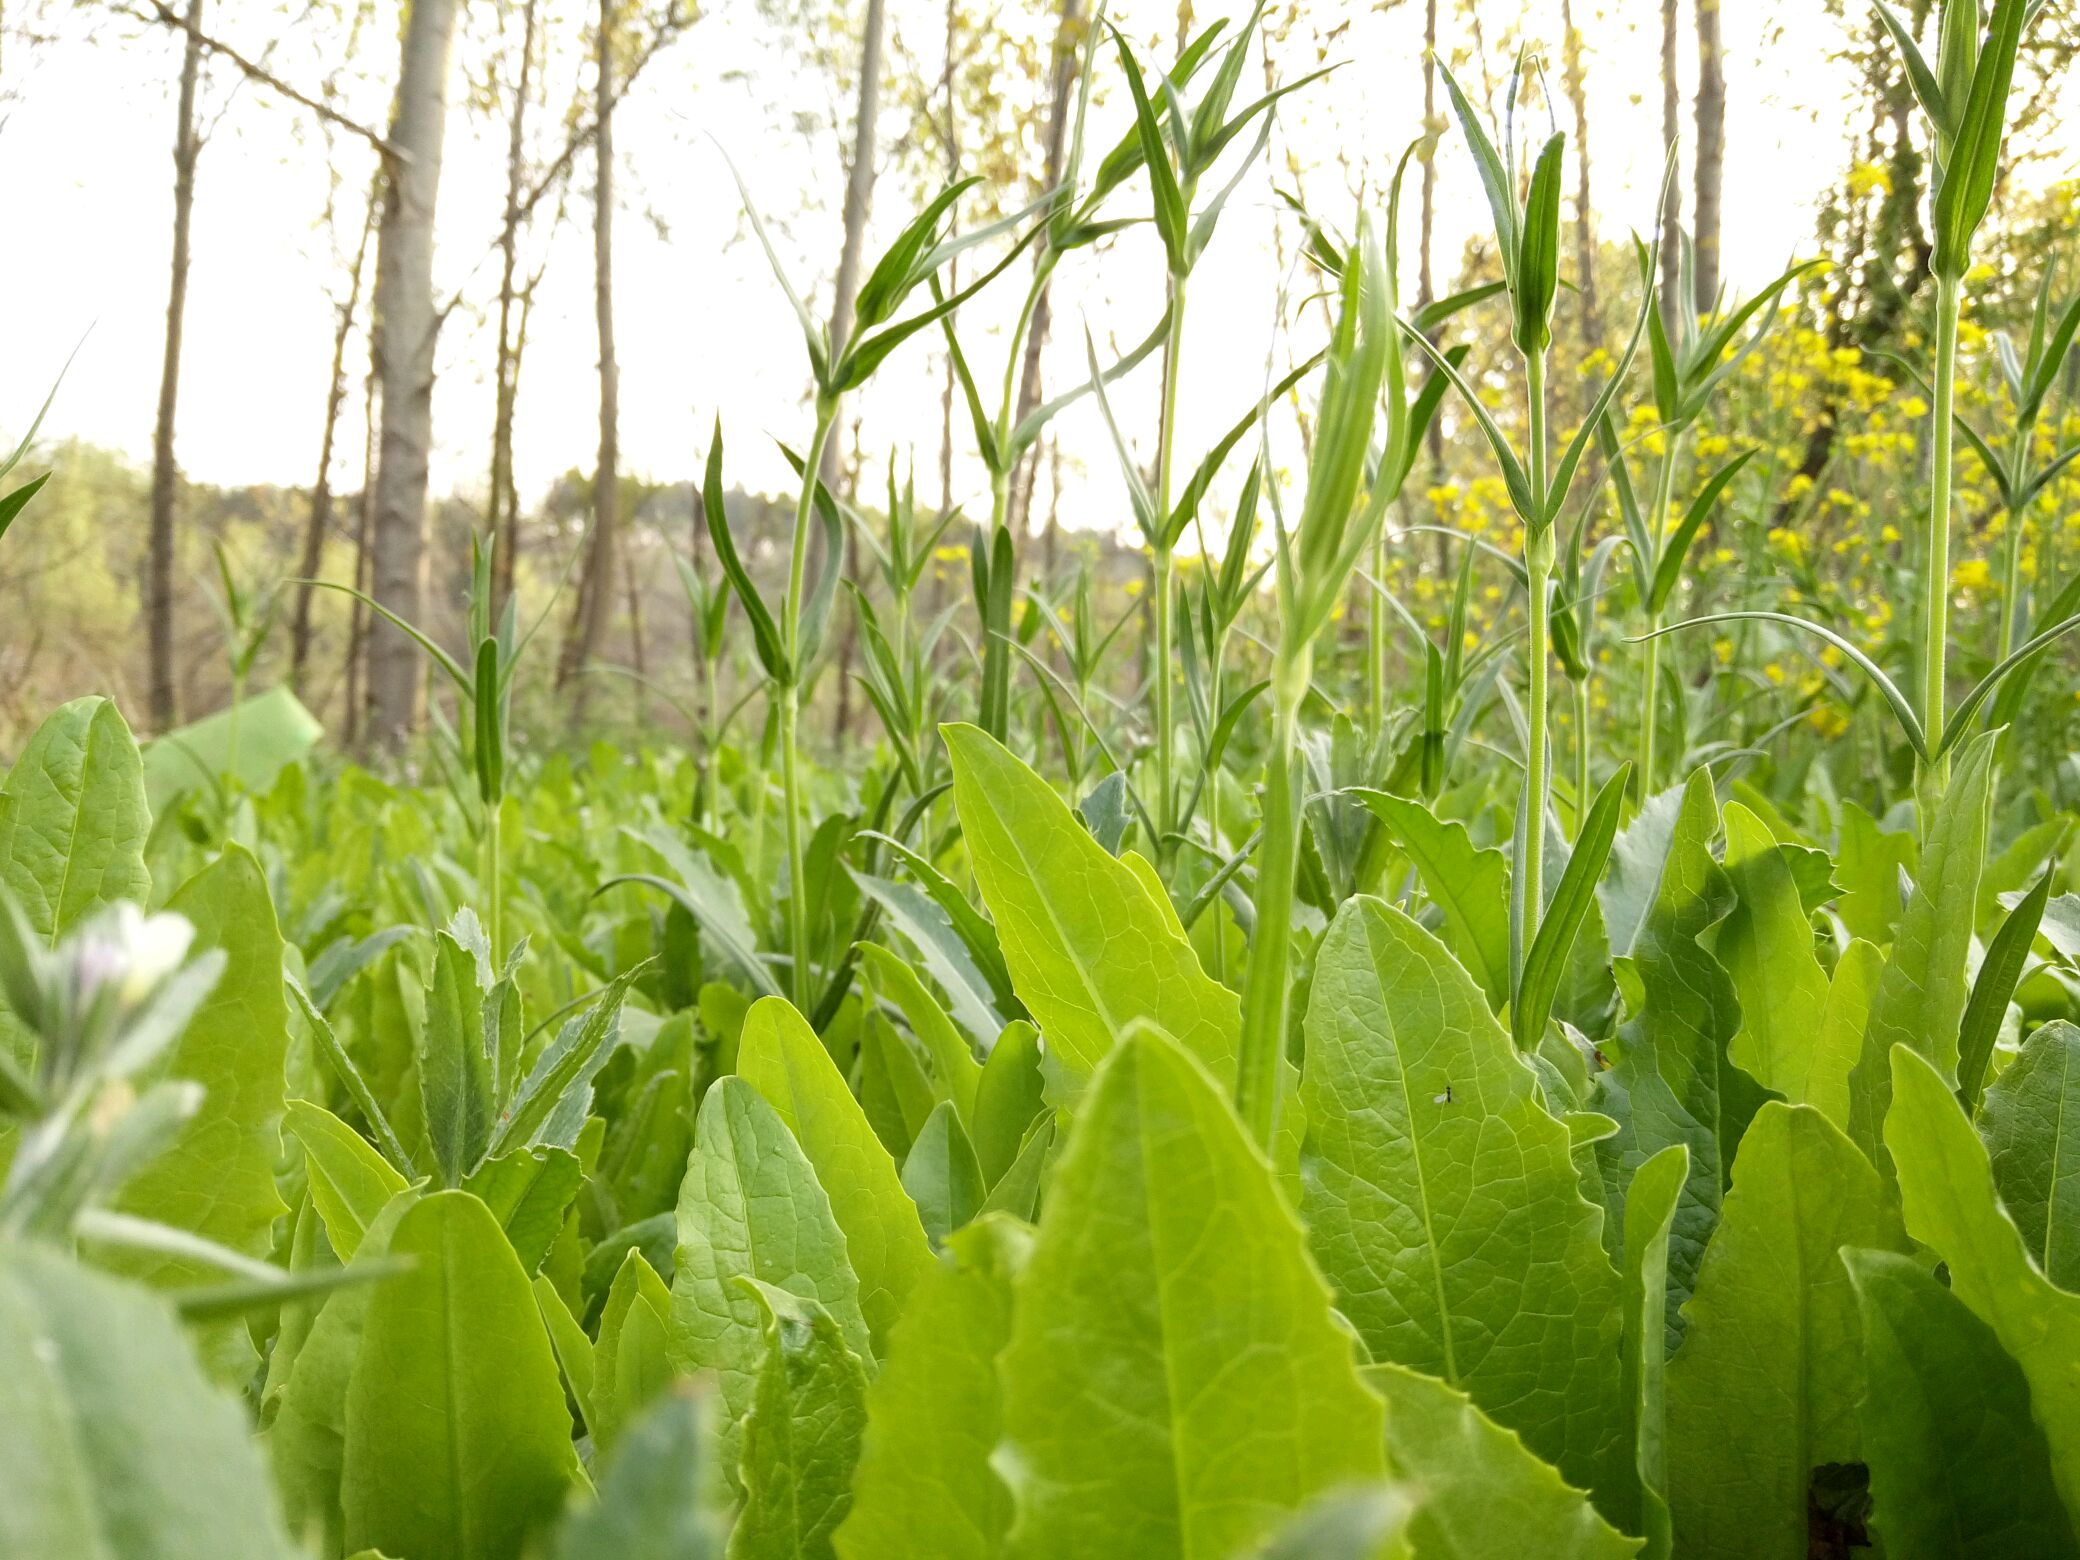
[86,148]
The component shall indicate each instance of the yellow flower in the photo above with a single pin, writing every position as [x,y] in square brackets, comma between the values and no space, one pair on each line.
[1972,575]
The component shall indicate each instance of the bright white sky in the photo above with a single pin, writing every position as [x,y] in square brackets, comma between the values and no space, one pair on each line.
[86,150]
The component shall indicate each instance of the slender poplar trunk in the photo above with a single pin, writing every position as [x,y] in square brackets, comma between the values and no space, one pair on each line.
[321,491]
[588,626]
[158,592]
[1576,80]
[1060,109]
[504,516]
[1672,202]
[1711,151]
[406,324]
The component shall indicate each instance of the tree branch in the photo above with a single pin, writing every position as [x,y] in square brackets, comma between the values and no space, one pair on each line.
[167,16]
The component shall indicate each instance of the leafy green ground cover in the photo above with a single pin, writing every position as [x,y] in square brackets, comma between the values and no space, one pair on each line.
[1302,1123]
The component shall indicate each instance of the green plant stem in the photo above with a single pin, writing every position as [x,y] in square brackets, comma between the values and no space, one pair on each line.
[2011,582]
[1212,782]
[1935,617]
[494,874]
[790,708]
[1376,639]
[1265,993]
[1160,565]
[1650,684]
[797,867]
[1527,883]
[1581,754]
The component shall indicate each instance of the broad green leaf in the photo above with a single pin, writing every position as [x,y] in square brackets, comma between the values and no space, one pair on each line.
[801,1442]
[550,1106]
[948,954]
[1088,953]
[780,1056]
[631,1364]
[1008,1098]
[1958,1469]
[1868,862]
[573,1350]
[528,1191]
[264,733]
[1765,1387]
[1441,1199]
[942,1175]
[73,819]
[1946,1185]
[454,1070]
[662,1496]
[2031,1127]
[112,1444]
[1356,1522]
[750,1207]
[1484,1496]
[925,1484]
[1923,989]
[1673,1075]
[458,1444]
[1175,1384]
[1766,946]
[308,1435]
[217,1179]
[1629,889]
[1470,885]
[1650,1211]
[952,1061]
[350,1182]
[73,823]
[1842,1023]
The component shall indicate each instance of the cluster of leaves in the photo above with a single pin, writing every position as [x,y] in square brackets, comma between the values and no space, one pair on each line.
[900,1160]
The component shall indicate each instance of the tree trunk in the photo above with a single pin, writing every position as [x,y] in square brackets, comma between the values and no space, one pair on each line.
[1584,210]
[1672,203]
[406,325]
[364,529]
[504,517]
[859,200]
[1711,151]
[321,491]
[596,589]
[1059,111]
[158,591]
